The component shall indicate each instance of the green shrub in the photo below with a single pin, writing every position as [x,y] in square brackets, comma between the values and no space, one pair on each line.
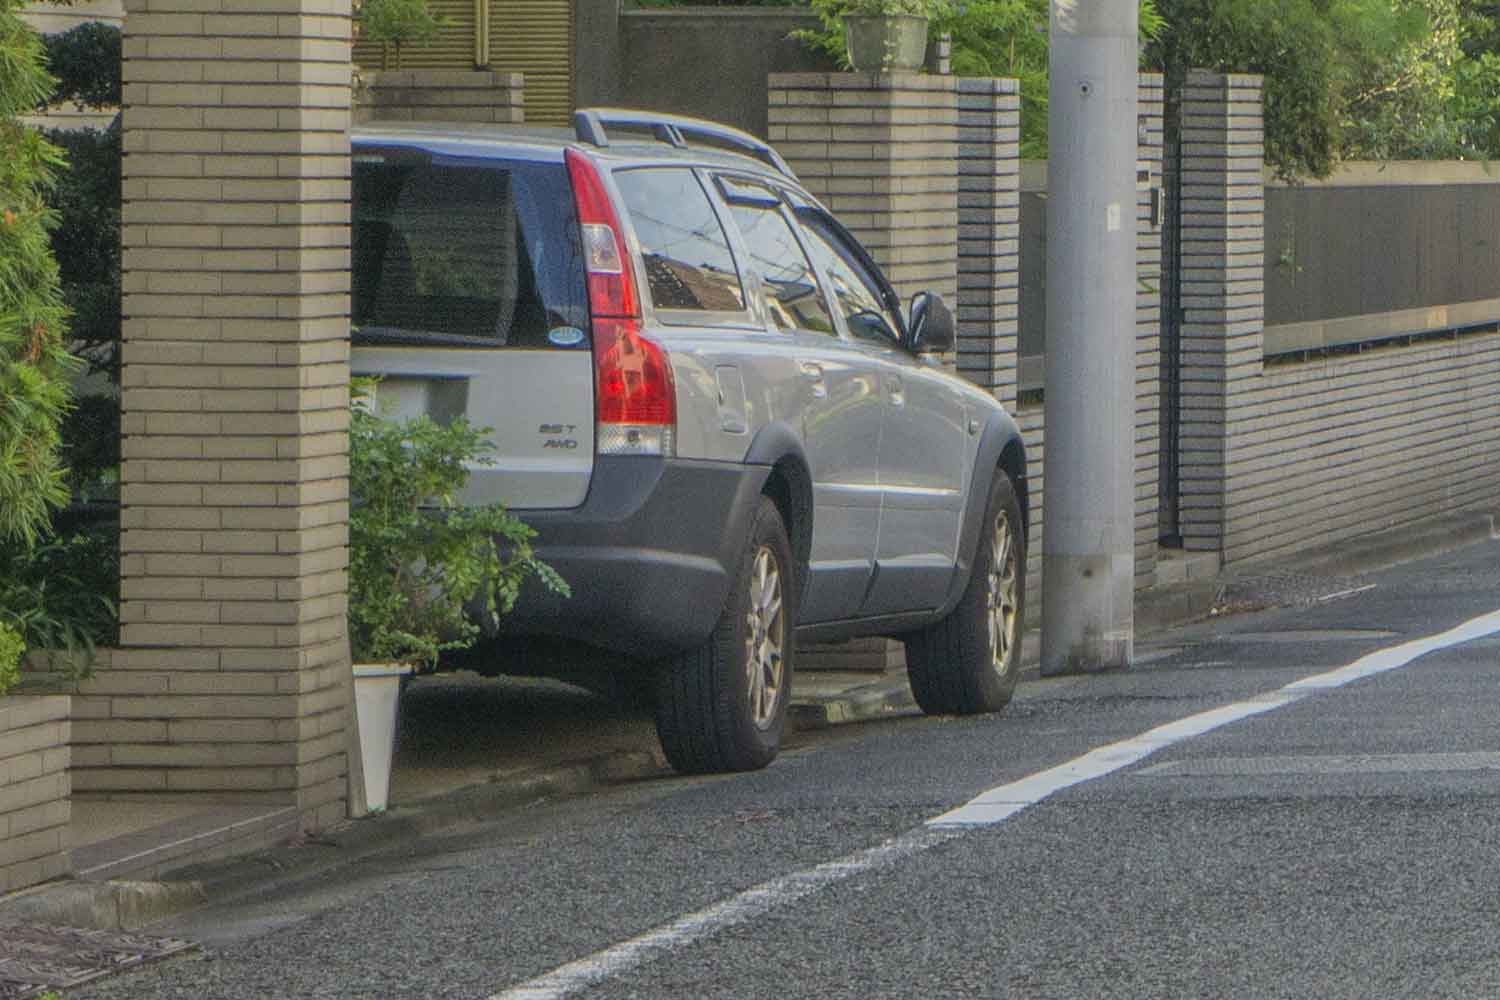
[62,594]
[417,555]
[11,648]
[35,367]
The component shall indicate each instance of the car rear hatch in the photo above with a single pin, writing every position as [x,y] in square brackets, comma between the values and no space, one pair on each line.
[470,298]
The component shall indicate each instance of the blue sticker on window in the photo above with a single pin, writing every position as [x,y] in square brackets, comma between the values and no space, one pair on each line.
[565,336]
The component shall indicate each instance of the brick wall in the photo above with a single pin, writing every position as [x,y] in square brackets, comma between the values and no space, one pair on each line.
[34,810]
[1324,450]
[442,96]
[232,677]
[881,152]
[1030,416]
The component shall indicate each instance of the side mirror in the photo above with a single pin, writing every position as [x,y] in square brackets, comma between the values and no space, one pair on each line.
[931,324]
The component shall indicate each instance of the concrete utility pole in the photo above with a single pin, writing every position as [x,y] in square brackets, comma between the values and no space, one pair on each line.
[1088,549]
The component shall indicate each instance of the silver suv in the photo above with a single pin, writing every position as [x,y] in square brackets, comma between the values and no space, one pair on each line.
[708,402]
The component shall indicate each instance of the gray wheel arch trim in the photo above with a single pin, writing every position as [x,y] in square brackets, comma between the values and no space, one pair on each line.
[778,445]
[1001,452]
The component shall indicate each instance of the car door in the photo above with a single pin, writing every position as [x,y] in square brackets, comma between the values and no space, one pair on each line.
[922,445]
[841,404]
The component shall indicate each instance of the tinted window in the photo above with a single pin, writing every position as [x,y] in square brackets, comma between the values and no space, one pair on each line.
[789,285]
[855,290]
[464,250]
[687,258]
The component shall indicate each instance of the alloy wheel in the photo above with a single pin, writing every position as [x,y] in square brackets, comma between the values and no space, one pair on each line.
[1000,600]
[765,637]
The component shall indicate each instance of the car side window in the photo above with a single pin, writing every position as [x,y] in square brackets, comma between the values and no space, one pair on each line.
[856,291]
[687,258]
[789,285]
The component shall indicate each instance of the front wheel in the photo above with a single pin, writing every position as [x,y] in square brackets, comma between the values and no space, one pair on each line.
[969,662]
[722,706]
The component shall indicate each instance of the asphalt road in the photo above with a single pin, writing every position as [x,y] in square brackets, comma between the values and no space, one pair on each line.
[1339,841]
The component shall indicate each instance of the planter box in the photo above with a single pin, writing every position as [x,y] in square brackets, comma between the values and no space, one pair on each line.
[34,786]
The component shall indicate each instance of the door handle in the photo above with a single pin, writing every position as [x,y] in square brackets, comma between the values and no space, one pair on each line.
[813,373]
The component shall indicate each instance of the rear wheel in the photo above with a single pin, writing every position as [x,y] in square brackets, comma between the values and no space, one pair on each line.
[969,661]
[722,706]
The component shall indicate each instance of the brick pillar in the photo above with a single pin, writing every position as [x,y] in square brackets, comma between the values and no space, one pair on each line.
[1223,290]
[881,151]
[232,679]
[1148,329]
[989,233]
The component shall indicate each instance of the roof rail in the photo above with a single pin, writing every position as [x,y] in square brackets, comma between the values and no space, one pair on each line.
[589,125]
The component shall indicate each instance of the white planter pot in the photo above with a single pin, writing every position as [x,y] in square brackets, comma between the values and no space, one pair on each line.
[886,43]
[377,690]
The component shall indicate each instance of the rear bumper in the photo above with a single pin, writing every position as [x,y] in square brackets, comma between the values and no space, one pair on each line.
[648,556]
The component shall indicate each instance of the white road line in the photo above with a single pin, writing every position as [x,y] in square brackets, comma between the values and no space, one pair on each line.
[1338,594]
[628,955]
[986,809]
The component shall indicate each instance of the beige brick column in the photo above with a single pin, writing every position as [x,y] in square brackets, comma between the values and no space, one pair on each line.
[881,151]
[989,233]
[231,681]
[1223,285]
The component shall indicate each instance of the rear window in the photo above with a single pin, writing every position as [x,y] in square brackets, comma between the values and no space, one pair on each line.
[687,258]
[465,252]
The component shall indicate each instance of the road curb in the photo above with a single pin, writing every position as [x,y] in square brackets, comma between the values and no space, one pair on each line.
[130,905]
[123,905]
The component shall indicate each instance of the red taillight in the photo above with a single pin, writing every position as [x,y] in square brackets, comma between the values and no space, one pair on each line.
[635,378]
[611,283]
[634,395]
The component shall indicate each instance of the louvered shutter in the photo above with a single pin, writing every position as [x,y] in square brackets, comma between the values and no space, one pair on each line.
[535,37]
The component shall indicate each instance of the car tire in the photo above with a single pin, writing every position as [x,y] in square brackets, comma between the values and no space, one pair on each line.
[723,705]
[969,662]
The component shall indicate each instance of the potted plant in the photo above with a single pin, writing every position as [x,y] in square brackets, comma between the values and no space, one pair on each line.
[874,36]
[420,561]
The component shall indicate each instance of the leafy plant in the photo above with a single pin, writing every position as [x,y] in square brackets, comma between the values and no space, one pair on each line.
[62,594]
[418,556]
[35,367]
[11,648]
[920,8]
[394,23]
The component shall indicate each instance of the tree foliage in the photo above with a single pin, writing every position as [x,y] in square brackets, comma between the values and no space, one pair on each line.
[86,61]
[1377,79]
[394,23]
[991,38]
[86,242]
[35,367]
